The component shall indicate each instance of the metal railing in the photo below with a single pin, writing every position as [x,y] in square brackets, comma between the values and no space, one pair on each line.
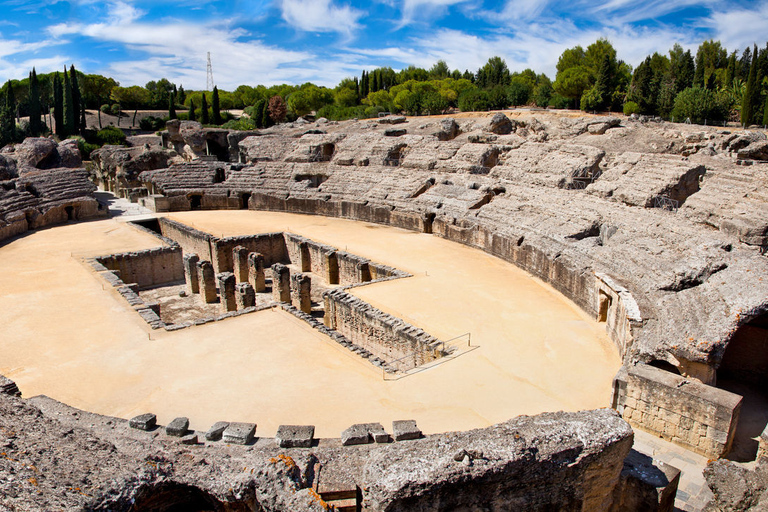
[389,365]
[666,203]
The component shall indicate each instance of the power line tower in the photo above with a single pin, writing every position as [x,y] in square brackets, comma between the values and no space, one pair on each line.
[209,82]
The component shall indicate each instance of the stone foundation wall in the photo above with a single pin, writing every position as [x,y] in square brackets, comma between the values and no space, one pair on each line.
[191,240]
[271,245]
[686,412]
[148,268]
[401,345]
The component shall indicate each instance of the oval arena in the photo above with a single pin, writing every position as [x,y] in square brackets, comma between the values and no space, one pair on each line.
[457,273]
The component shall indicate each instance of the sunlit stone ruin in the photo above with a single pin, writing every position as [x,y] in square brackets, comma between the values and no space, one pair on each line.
[654,232]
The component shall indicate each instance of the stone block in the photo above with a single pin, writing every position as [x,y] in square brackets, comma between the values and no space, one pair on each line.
[281,283]
[207,281]
[143,422]
[301,290]
[178,427]
[190,272]
[295,436]
[8,387]
[364,433]
[404,430]
[256,274]
[239,433]
[244,296]
[188,439]
[240,263]
[646,484]
[215,432]
[227,283]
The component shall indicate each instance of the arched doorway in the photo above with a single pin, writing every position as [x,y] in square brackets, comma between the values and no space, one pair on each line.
[744,370]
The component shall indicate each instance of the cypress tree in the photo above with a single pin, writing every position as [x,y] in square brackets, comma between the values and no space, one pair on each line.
[58,106]
[191,110]
[747,101]
[77,99]
[7,119]
[35,122]
[204,113]
[258,113]
[215,106]
[171,106]
[266,121]
[364,85]
[604,79]
[765,113]
[182,96]
[69,113]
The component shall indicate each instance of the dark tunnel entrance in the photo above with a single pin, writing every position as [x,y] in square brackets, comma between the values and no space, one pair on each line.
[744,371]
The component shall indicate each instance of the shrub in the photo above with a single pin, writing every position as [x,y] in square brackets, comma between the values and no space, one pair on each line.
[474,100]
[630,108]
[591,99]
[700,106]
[559,101]
[152,123]
[242,124]
[85,148]
[111,135]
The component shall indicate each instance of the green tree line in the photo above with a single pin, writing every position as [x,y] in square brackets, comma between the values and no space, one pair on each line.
[713,85]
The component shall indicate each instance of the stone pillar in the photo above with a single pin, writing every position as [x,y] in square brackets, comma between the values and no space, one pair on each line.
[190,273]
[329,317]
[281,283]
[331,264]
[227,291]
[256,272]
[245,296]
[240,263]
[206,278]
[306,263]
[363,271]
[301,288]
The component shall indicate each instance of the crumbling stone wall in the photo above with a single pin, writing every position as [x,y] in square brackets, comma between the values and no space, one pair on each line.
[147,268]
[699,417]
[191,240]
[401,345]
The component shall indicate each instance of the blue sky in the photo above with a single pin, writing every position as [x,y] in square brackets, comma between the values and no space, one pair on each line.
[322,41]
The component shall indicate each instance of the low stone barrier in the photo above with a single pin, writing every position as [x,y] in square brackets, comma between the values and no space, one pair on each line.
[684,411]
[401,345]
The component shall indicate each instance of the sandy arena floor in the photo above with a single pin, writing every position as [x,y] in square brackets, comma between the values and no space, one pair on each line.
[63,335]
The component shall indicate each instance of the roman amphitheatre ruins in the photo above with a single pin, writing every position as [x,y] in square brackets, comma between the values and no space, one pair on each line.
[472,313]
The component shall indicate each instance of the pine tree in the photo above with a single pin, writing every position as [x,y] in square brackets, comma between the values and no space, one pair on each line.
[747,101]
[215,106]
[35,122]
[171,106]
[58,105]
[191,109]
[69,113]
[76,103]
[204,113]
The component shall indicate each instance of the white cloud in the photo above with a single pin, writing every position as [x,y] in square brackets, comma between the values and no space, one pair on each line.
[320,16]
[422,9]
[619,12]
[177,50]
[738,28]
[521,10]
